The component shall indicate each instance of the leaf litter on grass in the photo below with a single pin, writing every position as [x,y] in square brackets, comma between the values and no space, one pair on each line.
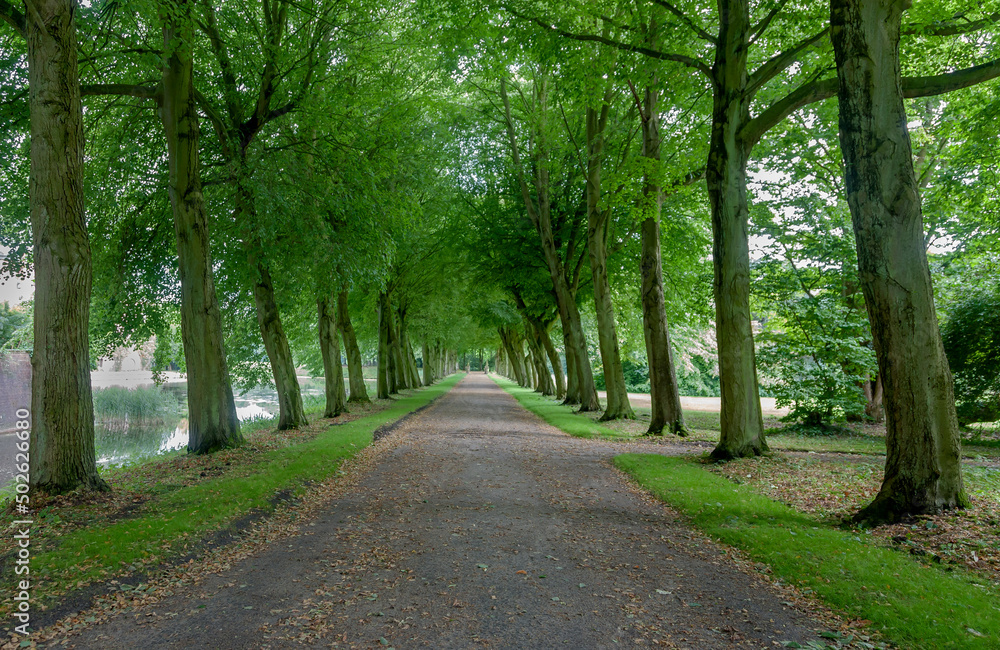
[833,490]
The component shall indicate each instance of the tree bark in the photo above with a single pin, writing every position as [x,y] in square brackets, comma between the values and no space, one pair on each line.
[741,421]
[923,469]
[329,346]
[428,373]
[212,420]
[398,363]
[515,355]
[409,359]
[355,367]
[664,392]
[411,362]
[618,406]
[873,390]
[386,380]
[550,351]
[61,442]
[545,384]
[291,414]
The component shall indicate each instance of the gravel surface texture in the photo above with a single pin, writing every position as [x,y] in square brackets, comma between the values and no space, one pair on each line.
[477,526]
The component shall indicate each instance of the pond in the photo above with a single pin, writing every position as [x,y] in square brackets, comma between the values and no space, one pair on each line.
[119,440]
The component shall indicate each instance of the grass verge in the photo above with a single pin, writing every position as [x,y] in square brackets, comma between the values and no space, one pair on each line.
[178,515]
[912,605]
[555,413]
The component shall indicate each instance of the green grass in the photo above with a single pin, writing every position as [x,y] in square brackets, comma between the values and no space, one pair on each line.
[912,605]
[555,413]
[183,513]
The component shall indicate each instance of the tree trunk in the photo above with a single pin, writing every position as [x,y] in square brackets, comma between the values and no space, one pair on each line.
[355,367]
[873,399]
[545,385]
[291,414]
[61,443]
[550,350]
[572,377]
[428,373]
[409,359]
[923,469]
[212,420]
[515,355]
[411,362]
[742,423]
[398,363]
[384,353]
[664,393]
[329,346]
[618,406]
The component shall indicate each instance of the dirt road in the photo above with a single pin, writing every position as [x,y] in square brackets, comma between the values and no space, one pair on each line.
[480,526]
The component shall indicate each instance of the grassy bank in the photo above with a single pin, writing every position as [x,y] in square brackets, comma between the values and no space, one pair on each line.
[912,605]
[179,499]
[555,413]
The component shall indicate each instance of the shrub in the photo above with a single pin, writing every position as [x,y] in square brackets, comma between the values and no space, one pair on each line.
[971,337]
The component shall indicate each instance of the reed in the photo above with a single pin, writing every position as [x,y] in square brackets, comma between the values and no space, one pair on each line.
[133,406]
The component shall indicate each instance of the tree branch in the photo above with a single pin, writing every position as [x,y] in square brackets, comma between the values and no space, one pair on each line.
[762,26]
[945,83]
[824,88]
[780,62]
[229,89]
[951,29]
[217,122]
[687,21]
[688,61]
[122,90]
[10,15]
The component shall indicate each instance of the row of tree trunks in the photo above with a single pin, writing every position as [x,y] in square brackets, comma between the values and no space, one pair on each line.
[543,382]
[355,367]
[664,392]
[212,420]
[409,359]
[329,345]
[61,442]
[923,468]
[598,220]
[514,353]
[580,386]
[553,355]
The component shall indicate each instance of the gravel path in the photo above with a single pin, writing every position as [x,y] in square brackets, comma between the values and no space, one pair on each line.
[479,526]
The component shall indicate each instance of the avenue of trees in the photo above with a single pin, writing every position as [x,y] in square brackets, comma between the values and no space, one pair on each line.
[666,196]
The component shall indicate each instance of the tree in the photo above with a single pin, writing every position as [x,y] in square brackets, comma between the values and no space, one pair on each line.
[62,423]
[581,384]
[923,468]
[212,422]
[776,64]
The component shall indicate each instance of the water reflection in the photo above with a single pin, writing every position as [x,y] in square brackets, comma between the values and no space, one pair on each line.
[121,441]
[118,442]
